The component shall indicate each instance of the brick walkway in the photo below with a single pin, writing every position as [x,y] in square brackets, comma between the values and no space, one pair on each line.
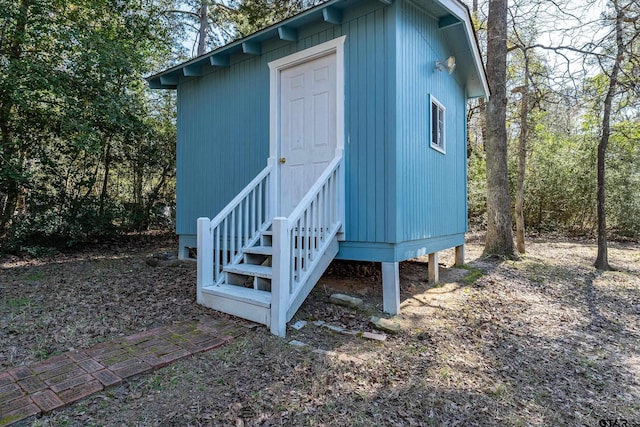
[42,387]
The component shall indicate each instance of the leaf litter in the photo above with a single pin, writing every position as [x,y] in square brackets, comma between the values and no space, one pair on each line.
[542,341]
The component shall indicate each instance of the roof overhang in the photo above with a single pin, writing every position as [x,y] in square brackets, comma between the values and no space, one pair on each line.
[330,11]
[453,17]
[454,20]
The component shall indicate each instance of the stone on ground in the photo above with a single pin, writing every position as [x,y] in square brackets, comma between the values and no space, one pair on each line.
[345,300]
[385,325]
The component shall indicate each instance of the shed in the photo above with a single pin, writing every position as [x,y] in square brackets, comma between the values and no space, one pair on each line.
[337,133]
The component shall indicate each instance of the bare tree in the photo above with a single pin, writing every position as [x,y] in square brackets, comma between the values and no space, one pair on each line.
[611,59]
[523,38]
[522,157]
[621,49]
[499,240]
[203,27]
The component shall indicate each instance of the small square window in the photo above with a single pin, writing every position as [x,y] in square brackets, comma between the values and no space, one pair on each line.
[436,125]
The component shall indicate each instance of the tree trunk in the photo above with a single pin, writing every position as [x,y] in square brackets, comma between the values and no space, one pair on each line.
[602,260]
[482,106]
[105,181]
[10,162]
[153,197]
[202,31]
[499,241]
[522,158]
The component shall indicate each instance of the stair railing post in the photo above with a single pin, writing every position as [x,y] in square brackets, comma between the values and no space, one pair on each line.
[205,256]
[272,195]
[281,277]
[340,196]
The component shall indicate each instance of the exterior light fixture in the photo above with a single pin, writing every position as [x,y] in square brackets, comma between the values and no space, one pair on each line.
[449,64]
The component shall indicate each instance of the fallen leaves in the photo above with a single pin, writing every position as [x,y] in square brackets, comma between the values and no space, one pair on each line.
[519,347]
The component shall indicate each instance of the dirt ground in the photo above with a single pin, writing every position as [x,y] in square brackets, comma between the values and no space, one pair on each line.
[542,341]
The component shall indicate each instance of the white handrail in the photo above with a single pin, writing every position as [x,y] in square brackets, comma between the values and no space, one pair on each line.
[241,195]
[237,226]
[302,239]
[311,194]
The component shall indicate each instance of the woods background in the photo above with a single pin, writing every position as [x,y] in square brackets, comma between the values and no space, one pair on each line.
[88,151]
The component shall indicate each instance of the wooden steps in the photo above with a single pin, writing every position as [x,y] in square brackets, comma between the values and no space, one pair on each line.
[259,250]
[238,293]
[250,304]
[262,267]
[250,270]
[233,296]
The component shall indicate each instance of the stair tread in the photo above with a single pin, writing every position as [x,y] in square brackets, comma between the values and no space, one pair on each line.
[259,250]
[250,270]
[239,293]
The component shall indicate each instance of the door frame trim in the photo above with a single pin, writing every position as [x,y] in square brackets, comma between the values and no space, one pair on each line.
[275,68]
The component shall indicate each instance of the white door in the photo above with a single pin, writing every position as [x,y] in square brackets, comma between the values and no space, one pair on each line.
[307,127]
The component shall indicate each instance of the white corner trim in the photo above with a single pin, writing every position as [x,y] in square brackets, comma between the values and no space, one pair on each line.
[462,12]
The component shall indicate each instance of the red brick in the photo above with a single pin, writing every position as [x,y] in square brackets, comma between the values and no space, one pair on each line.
[130,361]
[64,376]
[197,337]
[12,405]
[182,328]
[116,358]
[10,392]
[6,379]
[104,348]
[107,378]
[100,345]
[90,365]
[141,337]
[160,361]
[47,400]
[80,392]
[32,384]
[130,368]
[71,382]
[21,372]
[176,339]
[17,410]
[62,373]
[205,346]
[114,352]
[51,364]
[77,355]
[167,349]
[160,350]
[150,343]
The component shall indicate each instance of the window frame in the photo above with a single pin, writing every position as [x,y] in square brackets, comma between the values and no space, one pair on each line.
[439,146]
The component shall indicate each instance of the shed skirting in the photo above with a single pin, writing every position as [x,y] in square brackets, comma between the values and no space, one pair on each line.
[371,251]
[396,252]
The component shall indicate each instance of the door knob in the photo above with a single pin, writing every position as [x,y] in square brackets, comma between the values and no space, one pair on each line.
[283,160]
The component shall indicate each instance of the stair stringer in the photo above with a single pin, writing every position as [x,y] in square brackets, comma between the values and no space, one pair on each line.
[320,267]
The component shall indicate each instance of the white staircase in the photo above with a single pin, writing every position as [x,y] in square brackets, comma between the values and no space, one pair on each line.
[246,289]
[261,268]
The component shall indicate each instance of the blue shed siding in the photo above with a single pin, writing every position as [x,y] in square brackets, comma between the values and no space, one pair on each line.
[403,198]
[218,154]
[431,186]
[223,132]
[366,56]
